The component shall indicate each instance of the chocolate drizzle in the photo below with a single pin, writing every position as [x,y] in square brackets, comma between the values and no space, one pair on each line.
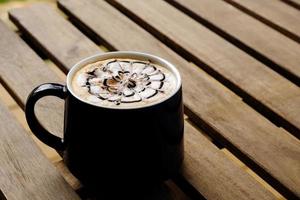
[122,81]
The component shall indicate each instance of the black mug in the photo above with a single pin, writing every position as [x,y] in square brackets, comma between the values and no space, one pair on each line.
[115,147]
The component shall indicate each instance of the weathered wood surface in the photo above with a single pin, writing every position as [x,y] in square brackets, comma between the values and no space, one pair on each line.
[257,84]
[205,166]
[25,173]
[276,14]
[212,107]
[21,70]
[245,181]
[63,39]
[262,42]
[260,83]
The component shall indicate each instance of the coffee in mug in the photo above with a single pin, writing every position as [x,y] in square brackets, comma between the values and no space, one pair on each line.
[123,83]
[123,123]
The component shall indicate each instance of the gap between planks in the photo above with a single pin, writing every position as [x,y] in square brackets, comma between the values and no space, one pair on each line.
[237,161]
[252,99]
[264,19]
[260,105]
[237,41]
[293,3]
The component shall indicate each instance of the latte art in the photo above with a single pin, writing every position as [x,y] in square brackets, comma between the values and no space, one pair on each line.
[123,82]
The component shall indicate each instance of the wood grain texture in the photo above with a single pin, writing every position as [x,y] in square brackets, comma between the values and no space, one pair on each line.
[63,39]
[262,87]
[21,70]
[276,14]
[257,39]
[207,102]
[25,173]
[227,179]
[169,54]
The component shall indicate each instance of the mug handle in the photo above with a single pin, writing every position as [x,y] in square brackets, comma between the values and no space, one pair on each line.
[47,89]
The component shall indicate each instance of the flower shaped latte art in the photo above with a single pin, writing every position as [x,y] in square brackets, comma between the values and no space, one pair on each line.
[123,81]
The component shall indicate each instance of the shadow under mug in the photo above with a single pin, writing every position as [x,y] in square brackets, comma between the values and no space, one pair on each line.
[109,147]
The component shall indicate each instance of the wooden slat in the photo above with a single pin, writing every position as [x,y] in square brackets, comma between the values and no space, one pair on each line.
[276,14]
[220,112]
[264,89]
[218,106]
[21,70]
[263,85]
[204,168]
[25,173]
[63,39]
[165,52]
[256,38]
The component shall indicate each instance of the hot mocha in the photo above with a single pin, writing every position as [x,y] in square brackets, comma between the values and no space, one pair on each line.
[123,83]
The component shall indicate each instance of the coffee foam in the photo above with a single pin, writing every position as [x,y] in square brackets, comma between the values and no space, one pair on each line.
[123,83]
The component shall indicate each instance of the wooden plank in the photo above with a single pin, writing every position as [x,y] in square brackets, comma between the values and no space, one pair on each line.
[218,107]
[258,85]
[21,70]
[222,179]
[25,173]
[264,89]
[262,42]
[276,14]
[268,88]
[62,45]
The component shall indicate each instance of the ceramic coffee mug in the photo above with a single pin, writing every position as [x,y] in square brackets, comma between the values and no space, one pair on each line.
[110,146]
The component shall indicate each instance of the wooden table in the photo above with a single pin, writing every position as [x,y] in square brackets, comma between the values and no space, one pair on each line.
[240,65]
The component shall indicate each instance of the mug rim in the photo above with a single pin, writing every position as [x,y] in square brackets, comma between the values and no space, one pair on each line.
[123,54]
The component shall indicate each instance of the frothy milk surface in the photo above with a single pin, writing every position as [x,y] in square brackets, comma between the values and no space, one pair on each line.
[123,83]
